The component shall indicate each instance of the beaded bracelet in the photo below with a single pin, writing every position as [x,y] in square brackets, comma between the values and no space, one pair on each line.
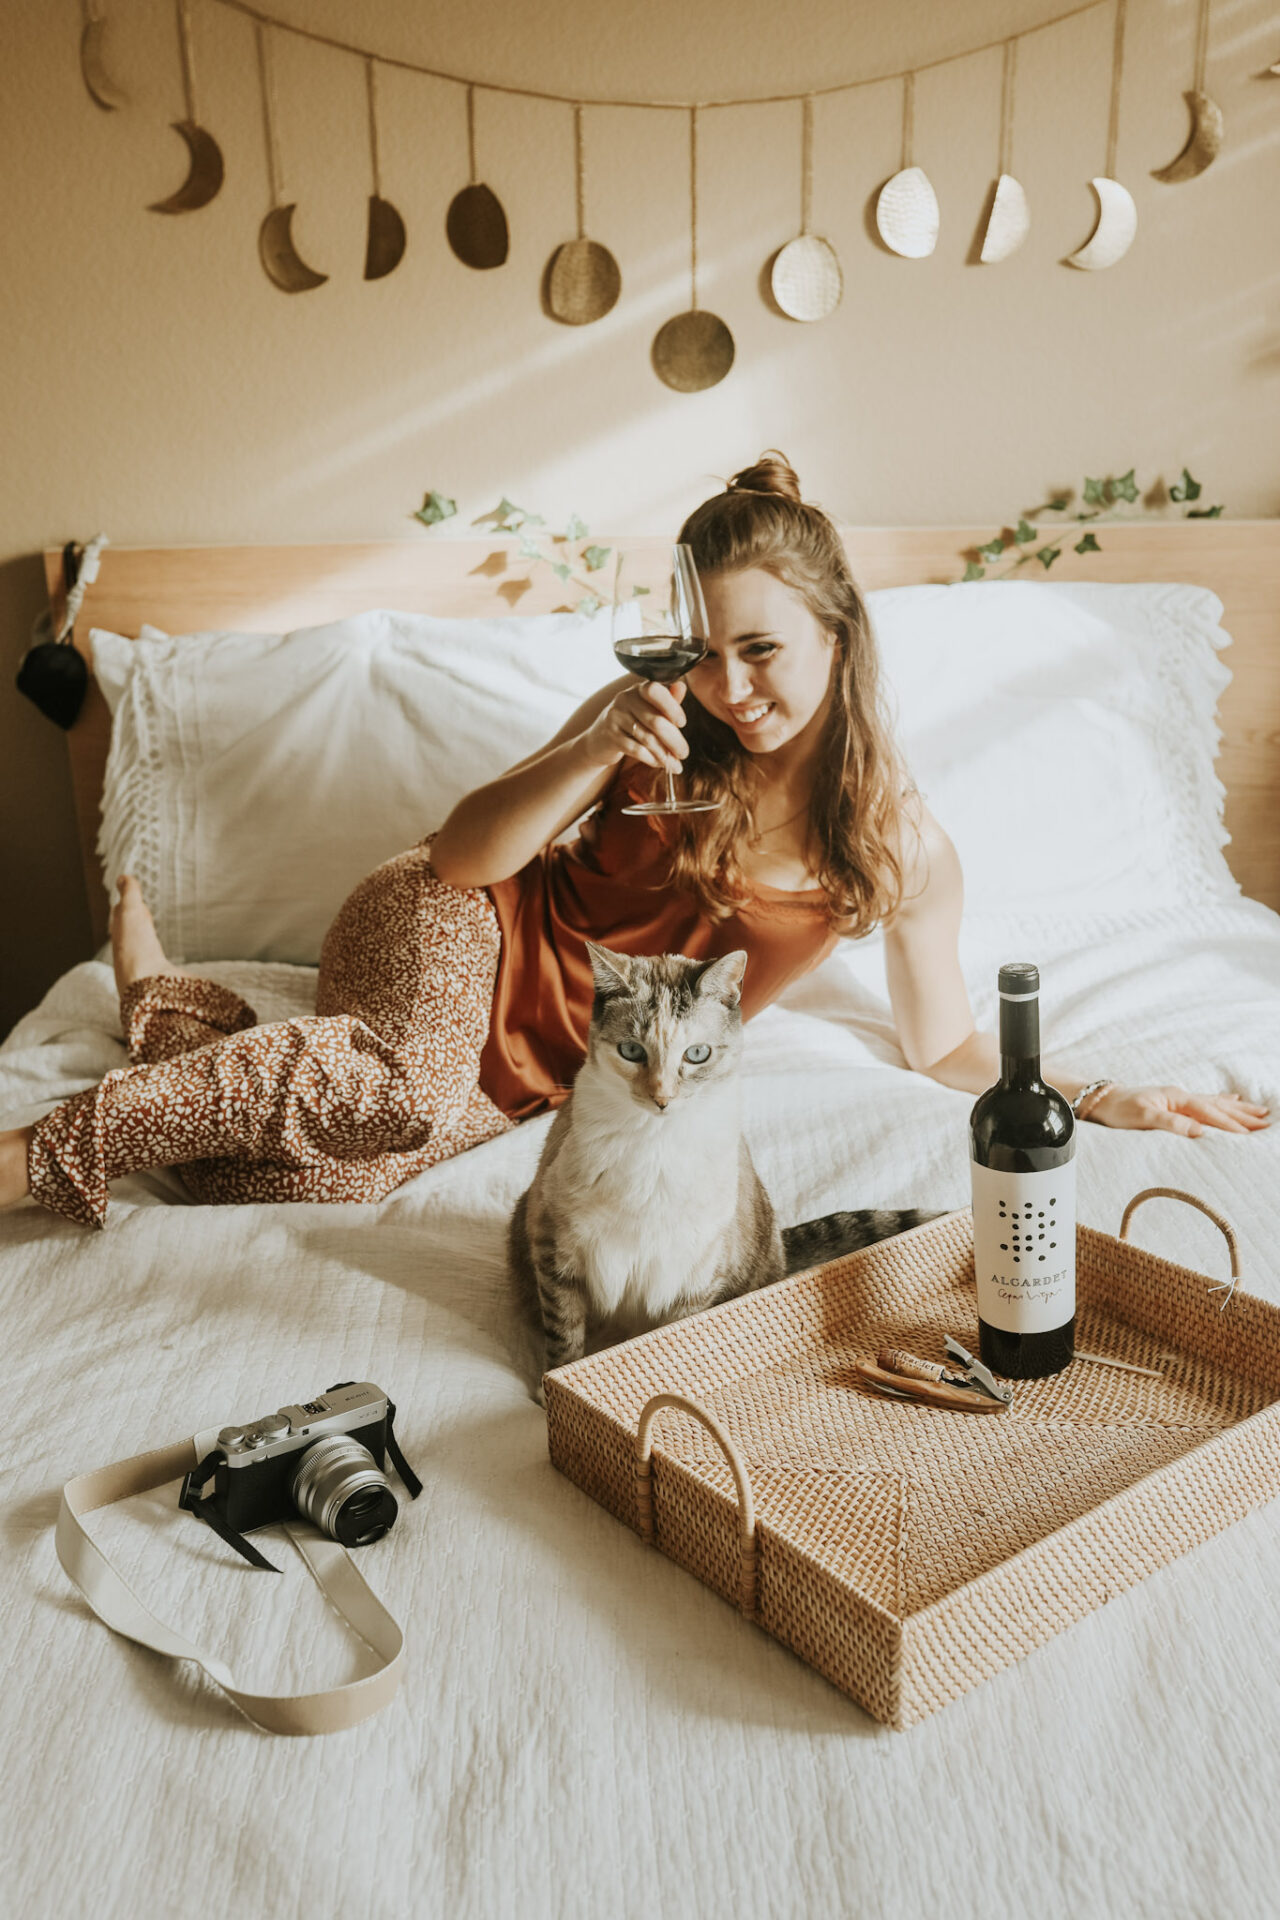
[1092,1093]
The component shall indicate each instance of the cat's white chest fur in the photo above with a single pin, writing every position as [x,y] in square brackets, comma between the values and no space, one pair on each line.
[645,1198]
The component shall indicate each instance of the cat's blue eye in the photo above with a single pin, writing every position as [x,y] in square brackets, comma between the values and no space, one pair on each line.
[696,1055]
[631,1050]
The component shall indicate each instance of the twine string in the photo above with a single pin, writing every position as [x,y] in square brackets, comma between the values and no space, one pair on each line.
[471,135]
[267,81]
[371,94]
[693,208]
[908,118]
[1008,93]
[1202,45]
[806,162]
[1117,78]
[684,106]
[188,65]
[579,173]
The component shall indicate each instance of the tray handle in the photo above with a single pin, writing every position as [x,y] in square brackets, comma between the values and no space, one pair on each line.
[1176,1193]
[741,1480]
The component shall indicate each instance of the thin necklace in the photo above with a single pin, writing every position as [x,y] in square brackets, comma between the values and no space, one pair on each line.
[762,831]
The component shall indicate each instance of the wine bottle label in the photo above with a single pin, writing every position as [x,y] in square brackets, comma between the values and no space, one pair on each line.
[1024,1247]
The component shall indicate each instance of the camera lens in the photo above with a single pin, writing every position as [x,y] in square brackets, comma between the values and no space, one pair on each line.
[340,1486]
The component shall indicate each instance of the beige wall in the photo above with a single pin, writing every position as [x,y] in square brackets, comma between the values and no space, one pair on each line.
[156,386]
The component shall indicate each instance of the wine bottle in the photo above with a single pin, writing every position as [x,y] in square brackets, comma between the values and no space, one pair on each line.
[1022,1159]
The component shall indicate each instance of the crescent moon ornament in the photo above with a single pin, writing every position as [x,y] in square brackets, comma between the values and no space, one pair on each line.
[1113,233]
[281,261]
[385,238]
[385,242]
[205,171]
[1009,221]
[1204,142]
[103,90]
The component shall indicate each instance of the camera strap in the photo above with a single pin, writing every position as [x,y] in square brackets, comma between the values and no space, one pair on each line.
[336,1574]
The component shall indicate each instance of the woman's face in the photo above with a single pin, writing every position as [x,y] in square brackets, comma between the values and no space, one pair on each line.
[767,673]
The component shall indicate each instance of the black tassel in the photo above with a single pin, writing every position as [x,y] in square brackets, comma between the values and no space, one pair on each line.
[55,677]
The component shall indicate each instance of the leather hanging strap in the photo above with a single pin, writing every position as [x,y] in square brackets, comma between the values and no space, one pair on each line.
[87,1567]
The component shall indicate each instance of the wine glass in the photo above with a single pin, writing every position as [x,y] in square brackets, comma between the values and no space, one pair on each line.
[661,639]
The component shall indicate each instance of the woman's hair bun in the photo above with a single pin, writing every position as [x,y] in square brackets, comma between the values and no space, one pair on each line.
[772,473]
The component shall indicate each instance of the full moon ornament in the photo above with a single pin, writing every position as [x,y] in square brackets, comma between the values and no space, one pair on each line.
[385,238]
[280,259]
[1009,221]
[102,89]
[1117,221]
[476,225]
[583,278]
[805,278]
[204,155]
[1204,142]
[694,350]
[907,206]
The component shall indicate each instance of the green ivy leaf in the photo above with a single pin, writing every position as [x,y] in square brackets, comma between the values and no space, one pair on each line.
[560,570]
[993,549]
[1204,513]
[508,517]
[588,604]
[1047,555]
[1125,488]
[529,548]
[576,529]
[1095,494]
[973,571]
[637,591]
[1059,502]
[1188,489]
[1088,545]
[593,558]
[436,507]
[1023,532]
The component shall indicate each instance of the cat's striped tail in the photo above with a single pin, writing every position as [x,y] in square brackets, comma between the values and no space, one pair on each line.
[813,1241]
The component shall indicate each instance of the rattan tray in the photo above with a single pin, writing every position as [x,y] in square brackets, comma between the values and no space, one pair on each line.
[905,1551]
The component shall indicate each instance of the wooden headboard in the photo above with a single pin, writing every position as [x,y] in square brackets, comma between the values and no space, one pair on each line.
[275,589]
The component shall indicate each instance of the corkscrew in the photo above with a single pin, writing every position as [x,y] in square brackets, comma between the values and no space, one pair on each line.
[971,1389]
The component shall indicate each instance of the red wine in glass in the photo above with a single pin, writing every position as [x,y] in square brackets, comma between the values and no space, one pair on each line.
[663,646]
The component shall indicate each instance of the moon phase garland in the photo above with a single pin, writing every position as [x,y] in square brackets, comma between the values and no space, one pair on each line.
[582,280]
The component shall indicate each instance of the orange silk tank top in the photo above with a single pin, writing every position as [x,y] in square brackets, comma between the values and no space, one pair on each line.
[611,885]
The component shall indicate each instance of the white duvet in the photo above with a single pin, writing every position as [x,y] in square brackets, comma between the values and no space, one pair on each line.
[583,1730]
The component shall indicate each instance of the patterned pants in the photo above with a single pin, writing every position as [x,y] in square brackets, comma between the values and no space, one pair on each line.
[382,1082]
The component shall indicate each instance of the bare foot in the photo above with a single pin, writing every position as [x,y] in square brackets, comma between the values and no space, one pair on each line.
[136,952]
[14,1182]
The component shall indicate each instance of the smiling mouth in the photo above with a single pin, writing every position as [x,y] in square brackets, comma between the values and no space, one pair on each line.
[752,716]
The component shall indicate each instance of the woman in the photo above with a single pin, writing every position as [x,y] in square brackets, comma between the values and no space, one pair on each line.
[454,988]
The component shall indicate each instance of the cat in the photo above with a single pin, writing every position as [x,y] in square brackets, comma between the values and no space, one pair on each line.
[646,1202]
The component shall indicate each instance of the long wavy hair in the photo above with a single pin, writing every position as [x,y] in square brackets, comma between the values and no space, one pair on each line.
[760,520]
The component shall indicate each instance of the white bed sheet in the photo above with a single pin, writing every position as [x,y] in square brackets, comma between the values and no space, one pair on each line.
[583,1729]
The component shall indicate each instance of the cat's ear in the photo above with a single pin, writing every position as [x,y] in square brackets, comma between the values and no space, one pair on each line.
[722,979]
[610,971]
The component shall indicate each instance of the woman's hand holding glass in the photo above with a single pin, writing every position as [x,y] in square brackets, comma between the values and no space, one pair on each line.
[644,722]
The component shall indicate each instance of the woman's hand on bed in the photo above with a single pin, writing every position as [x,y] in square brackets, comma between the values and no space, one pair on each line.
[1178,1111]
[644,723]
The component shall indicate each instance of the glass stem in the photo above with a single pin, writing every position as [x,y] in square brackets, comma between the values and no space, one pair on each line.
[671,788]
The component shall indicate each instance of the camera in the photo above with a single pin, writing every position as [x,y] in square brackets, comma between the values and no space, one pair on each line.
[322,1459]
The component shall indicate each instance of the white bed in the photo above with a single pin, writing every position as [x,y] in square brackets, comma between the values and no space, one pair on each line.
[583,1729]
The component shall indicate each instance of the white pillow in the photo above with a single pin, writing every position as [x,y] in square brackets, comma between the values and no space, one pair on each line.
[1063,735]
[254,778]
